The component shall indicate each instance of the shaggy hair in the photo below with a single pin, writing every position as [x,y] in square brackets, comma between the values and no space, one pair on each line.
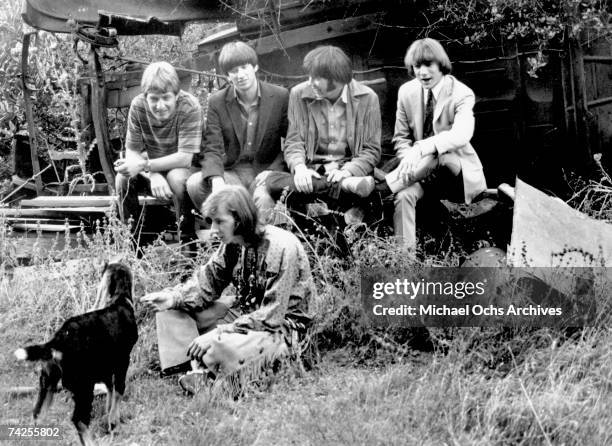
[238,202]
[425,52]
[234,54]
[160,78]
[329,62]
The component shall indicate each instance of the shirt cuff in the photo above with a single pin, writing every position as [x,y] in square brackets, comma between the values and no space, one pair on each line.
[176,299]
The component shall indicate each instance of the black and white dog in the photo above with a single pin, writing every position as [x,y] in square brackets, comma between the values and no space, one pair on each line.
[90,348]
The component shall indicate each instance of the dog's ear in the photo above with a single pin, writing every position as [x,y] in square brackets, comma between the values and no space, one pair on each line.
[120,257]
[100,266]
[119,280]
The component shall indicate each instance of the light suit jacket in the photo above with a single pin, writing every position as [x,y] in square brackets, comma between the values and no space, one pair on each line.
[453,126]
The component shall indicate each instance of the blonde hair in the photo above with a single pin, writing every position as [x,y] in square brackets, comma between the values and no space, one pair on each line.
[160,77]
[427,51]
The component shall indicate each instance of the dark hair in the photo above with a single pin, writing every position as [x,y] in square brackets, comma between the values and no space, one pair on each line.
[426,51]
[238,202]
[236,53]
[329,62]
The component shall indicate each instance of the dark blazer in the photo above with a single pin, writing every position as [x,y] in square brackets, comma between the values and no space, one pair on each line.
[221,145]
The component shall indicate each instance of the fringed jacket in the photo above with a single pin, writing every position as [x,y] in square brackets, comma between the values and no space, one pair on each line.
[363,128]
[273,282]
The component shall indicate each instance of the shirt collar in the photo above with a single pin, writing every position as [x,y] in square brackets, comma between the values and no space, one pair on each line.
[435,90]
[343,96]
[235,95]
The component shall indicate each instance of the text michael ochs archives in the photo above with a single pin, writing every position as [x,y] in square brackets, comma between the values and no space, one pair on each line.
[474,297]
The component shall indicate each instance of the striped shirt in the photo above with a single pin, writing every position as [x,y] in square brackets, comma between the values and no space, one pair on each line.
[181,133]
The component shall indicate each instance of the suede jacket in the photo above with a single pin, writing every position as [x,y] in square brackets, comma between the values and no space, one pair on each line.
[363,128]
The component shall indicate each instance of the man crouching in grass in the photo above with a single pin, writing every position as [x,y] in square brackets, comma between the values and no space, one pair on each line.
[271,275]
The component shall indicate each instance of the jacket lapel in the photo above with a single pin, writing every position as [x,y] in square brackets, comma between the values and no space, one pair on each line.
[234,112]
[445,94]
[352,111]
[265,109]
[417,98]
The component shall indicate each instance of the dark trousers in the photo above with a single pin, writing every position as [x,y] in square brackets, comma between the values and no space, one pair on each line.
[129,188]
[277,182]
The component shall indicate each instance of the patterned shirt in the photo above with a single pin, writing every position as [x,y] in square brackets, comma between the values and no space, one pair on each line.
[331,127]
[273,282]
[181,133]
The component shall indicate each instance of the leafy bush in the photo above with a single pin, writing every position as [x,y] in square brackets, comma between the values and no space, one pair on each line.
[10,91]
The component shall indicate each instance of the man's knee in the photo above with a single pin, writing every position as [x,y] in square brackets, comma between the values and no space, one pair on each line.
[177,179]
[264,204]
[410,195]
[194,182]
[261,195]
[260,179]
[196,189]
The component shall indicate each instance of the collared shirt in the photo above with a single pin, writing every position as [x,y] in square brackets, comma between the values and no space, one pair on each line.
[250,115]
[436,94]
[435,90]
[331,128]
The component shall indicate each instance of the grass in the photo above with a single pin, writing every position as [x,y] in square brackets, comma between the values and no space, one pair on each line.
[489,387]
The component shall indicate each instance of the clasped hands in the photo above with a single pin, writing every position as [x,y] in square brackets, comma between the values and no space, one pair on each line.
[130,167]
[303,177]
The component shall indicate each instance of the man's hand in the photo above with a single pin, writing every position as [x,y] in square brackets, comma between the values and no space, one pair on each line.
[158,301]
[303,178]
[198,347]
[130,167]
[337,175]
[410,159]
[216,183]
[159,186]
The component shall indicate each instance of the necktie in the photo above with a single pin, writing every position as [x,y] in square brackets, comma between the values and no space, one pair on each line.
[429,111]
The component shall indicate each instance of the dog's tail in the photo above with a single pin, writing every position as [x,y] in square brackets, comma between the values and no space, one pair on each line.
[37,353]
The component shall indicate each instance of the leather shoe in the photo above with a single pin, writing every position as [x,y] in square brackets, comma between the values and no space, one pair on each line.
[193,381]
[354,216]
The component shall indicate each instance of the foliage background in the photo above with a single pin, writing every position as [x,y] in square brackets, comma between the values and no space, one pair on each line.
[53,71]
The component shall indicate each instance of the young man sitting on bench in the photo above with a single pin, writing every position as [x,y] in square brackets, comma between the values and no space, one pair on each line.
[164,131]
